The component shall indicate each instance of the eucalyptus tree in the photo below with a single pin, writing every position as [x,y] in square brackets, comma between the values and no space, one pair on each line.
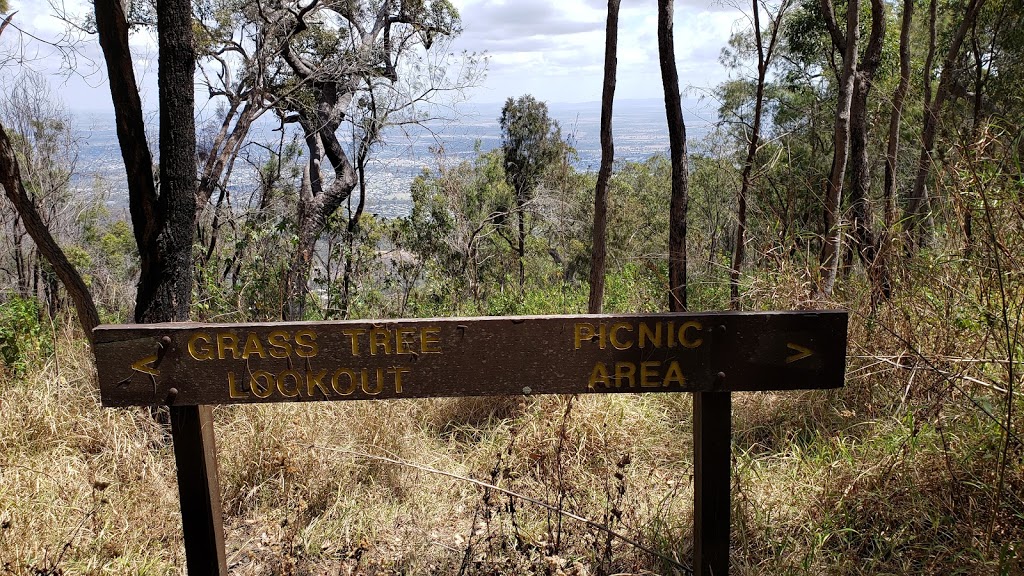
[455,222]
[919,203]
[847,45]
[597,260]
[899,97]
[679,204]
[25,192]
[531,142]
[341,72]
[865,68]
[763,45]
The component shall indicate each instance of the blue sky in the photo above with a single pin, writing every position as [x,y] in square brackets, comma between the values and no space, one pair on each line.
[553,50]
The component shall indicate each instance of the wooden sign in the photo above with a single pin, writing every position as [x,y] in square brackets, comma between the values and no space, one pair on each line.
[184,364]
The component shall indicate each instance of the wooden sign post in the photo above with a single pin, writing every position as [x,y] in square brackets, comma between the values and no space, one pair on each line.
[712,354]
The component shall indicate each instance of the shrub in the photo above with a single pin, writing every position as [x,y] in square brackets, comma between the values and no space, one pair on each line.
[22,336]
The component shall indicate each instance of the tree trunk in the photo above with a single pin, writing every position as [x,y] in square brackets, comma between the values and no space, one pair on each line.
[316,203]
[165,293]
[898,98]
[164,225]
[860,163]
[918,207]
[297,280]
[764,56]
[521,239]
[350,236]
[597,256]
[164,228]
[677,144]
[829,260]
[10,178]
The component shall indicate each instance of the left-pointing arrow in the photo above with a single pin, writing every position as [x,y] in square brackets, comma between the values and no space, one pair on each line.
[144,366]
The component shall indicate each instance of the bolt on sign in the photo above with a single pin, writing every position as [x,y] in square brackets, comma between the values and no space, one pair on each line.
[189,364]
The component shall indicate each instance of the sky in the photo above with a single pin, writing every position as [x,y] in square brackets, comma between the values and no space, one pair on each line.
[553,50]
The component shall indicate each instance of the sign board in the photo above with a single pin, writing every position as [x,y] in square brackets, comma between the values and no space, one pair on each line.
[183,364]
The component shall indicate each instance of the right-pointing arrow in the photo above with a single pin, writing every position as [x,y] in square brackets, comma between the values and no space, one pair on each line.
[801,352]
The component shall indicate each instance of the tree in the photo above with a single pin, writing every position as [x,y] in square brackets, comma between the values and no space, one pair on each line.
[11,179]
[764,59]
[892,149]
[677,146]
[860,164]
[337,70]
[847,45]
[597,261]
[164,227]
[164,222]
[349,72]
[36,226]
[530,141]
[456,215]
[919,203]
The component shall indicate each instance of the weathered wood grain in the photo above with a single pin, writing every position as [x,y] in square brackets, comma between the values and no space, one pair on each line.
[188,364]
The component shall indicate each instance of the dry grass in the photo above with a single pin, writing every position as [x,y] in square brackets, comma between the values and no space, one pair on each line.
[894,474]
[82,490]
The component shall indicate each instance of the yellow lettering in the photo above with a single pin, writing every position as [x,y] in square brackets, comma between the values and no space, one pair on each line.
[264,389]
[584,331]
[671,334]
[316,380]
[233,391]
[674,375]
[380,338]
[625,371]
[253,347]
[646,334]
[353,335]
[351,381]
[405,340]
[280,347]
[200,351]
[648,370]
[225,342]
[296,378]
[598,374]
[305,344]
[619,345]
[366,382]
[430,338]
[686,342]
[399,370]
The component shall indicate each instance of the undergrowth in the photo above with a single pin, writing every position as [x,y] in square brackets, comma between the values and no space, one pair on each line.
[913,467]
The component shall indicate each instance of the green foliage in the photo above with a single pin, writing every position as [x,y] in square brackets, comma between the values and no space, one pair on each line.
[118,241]
[559,298]
[105,254]
[530,140]
[460,222]
[23,337]
[79,258]
[637,287]
[637,214]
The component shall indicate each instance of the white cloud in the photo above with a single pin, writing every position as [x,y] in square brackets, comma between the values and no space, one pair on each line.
[41,41]
[555,50]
